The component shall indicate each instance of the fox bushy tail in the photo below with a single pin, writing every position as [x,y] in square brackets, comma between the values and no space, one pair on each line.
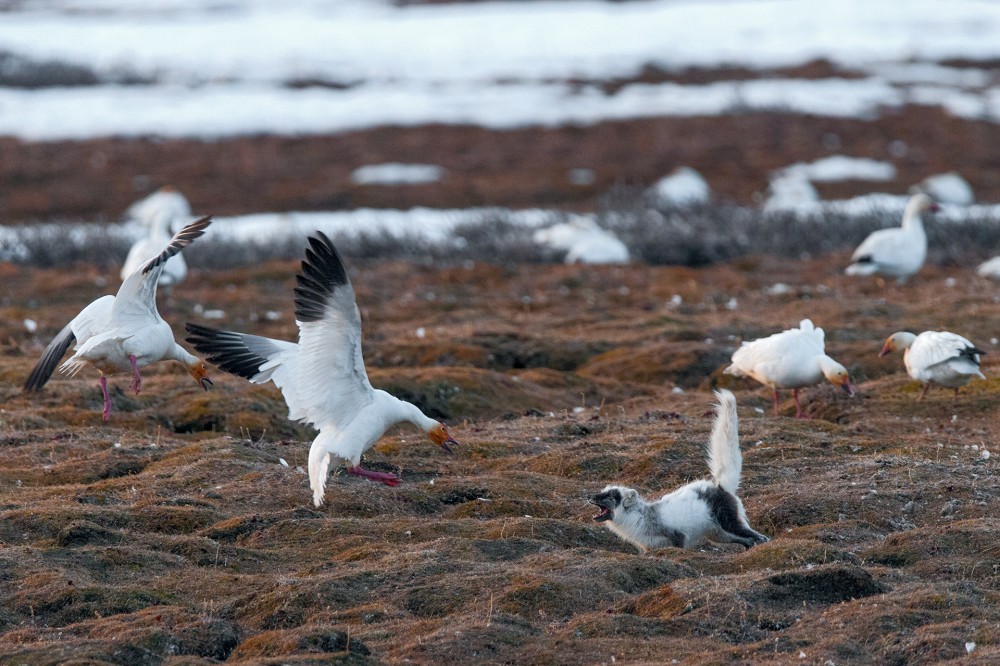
[724,458]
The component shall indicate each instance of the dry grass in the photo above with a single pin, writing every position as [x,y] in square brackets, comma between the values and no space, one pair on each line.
[175,534]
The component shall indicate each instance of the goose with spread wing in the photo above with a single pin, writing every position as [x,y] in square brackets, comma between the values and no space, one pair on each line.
[322,377]
[942,357]
[123,332]
[791,359]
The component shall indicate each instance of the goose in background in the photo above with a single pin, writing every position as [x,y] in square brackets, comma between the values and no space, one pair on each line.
[322,377]
[681,187]
[123,332]
[164,202]
[584,242]
[159,214]
[174,270]
[941,357]
[948,188]
[791,359]
[898,252]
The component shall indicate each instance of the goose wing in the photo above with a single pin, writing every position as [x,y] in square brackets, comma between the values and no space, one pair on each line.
[136,298]
[243,354]
[90,322]
[331,385]
[805,341]
[934,347]
[50,359]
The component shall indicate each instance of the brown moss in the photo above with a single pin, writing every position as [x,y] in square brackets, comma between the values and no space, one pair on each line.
[187,541]
[337,645]
[662,603]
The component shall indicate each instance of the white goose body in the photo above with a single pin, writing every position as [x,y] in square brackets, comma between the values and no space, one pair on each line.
[322,377]
[899,252]
[940,357]
[584,242]
[791,359]
[123,332]
[166,203]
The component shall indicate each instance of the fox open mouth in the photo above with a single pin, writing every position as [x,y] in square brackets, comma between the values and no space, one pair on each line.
[604,514]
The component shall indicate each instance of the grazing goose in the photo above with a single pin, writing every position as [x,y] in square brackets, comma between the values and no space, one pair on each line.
[322,377]
[898,252]
[790,359]
[936,356]
[125,331]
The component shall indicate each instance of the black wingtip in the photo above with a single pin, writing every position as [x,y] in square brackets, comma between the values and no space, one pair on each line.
[42,371]
[181,240]
[322,272]
[226,349]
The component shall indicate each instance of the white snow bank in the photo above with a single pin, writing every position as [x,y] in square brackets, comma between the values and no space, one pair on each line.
[214,111]
[395,173]
[841,167]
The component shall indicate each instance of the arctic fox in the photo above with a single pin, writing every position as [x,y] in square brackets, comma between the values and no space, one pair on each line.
[706,508]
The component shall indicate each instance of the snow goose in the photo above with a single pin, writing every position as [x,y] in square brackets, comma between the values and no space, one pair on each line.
[789,192]
[790,359]
[584,242]
[989,268]
[682,187]
[936,356]
[165,202]
[125,331]
[899,252]
[322,377]
[160,213]
[949,188]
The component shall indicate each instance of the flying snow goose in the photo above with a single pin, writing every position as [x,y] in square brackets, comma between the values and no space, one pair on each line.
[322,377]
[936,356]
[791,359]
[123,332]
[898,252]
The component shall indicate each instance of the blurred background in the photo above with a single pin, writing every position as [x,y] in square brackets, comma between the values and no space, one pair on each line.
[392,119]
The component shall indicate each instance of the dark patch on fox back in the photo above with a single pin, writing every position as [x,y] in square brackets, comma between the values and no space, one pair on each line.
[723,507]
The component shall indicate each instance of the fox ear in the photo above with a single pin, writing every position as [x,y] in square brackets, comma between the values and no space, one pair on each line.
[629,498]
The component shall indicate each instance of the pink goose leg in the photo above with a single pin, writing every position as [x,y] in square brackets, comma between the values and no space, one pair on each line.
[136,384]
[107,398]
[380,477]
[798,407]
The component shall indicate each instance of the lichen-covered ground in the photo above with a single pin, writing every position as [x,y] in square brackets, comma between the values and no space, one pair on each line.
[183,532]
